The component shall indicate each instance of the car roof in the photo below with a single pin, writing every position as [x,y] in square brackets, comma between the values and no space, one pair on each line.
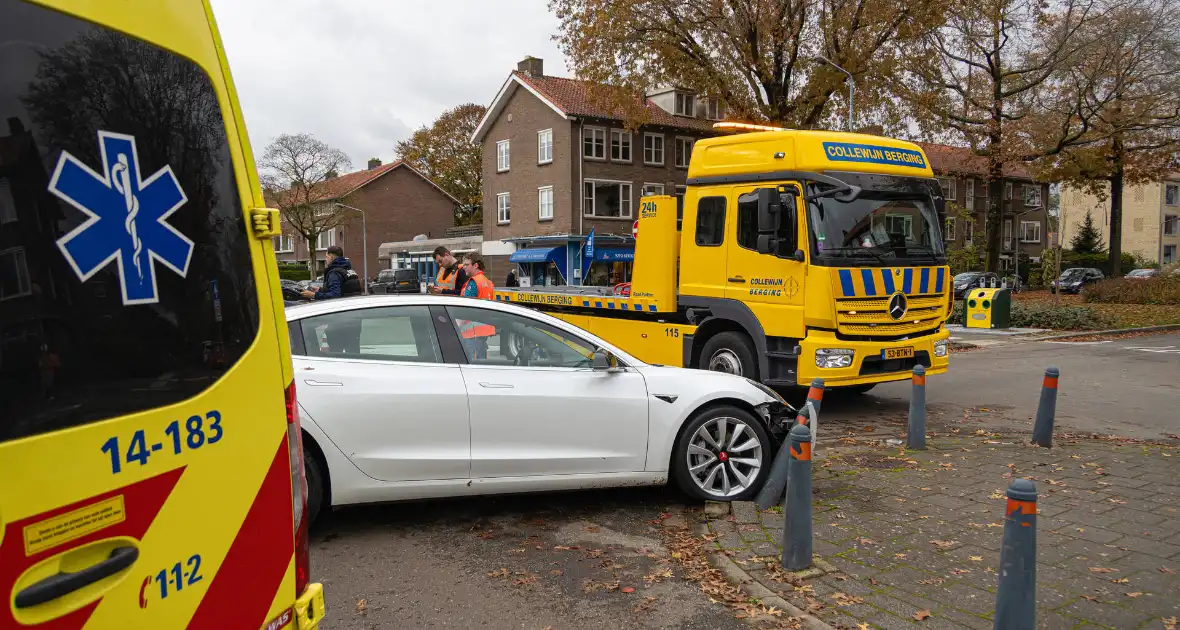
[323,307]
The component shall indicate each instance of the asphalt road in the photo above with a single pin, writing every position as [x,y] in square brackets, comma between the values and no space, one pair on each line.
[564,560]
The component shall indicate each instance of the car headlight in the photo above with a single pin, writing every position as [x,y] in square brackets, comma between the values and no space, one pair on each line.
[833,357]
[940,348]
[767,390]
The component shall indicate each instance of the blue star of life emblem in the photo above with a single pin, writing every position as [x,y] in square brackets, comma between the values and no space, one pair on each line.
[126,218]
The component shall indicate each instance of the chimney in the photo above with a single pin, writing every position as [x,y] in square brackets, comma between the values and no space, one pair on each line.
[374,163]
[532,66]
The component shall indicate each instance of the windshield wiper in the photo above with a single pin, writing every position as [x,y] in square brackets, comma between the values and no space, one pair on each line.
[925,250]
[857,250]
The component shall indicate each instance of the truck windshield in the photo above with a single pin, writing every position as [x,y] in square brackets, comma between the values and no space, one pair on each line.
[875,228]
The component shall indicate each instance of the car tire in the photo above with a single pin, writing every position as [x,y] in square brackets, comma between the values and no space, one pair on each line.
[730,352]
[313,470]
[698,484]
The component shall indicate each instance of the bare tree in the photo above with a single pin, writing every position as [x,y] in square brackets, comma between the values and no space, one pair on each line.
[1122,102]
[294,170]
[760,57]
[981,73]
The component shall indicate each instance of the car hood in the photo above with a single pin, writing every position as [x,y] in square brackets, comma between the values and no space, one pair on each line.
[697,385]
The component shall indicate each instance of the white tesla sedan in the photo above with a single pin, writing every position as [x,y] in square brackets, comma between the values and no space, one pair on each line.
[410,397]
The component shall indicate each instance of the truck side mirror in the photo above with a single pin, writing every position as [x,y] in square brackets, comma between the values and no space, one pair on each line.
[769,210]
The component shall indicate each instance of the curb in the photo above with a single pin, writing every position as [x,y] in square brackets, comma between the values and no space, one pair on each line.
[1117,331]
[738,577]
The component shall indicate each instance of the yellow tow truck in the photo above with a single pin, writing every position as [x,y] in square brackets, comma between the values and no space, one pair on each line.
[799,254]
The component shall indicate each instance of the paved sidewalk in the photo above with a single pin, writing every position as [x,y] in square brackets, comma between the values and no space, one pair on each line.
[917,535]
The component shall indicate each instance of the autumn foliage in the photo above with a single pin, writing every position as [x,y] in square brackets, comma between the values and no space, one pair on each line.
[1162,290]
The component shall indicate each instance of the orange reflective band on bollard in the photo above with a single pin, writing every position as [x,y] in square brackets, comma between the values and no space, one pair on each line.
[801,419]
[1027,508]
[815,393]
[920,379]
[803,453]
[1051,382]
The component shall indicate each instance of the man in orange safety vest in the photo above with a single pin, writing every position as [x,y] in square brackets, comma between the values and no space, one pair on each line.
[475,334]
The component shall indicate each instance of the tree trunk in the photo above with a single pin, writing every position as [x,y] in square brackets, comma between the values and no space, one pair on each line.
[311,266]
[1116,209]
[995,212]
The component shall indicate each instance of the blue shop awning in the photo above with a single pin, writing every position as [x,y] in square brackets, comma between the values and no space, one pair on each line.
[614,254]
[537,255]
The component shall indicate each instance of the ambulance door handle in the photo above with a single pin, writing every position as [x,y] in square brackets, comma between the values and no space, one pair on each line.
[738,280]
[314,383]
[63,584]
[496,385]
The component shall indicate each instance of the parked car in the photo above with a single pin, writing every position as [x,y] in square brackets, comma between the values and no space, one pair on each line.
[1143,274]
[291,290]
[404,281]
[1073,280]
[396,404]
[384,277]
[968,280]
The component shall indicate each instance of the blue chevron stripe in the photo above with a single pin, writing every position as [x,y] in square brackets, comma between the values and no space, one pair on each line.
[907,280]
[846,283]
[925,285]
[887,281]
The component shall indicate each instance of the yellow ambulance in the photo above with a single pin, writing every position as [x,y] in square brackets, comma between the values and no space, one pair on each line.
[151,466]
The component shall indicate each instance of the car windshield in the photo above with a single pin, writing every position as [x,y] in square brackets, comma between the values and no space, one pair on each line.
[968,276]
[1140,272]
[385,276]
[881,226]
[1072,273]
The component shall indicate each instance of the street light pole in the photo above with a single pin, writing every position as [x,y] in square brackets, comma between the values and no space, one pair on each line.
[364,245]
[851,87]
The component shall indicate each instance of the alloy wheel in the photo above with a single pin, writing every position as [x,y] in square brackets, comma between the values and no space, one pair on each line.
[724,456]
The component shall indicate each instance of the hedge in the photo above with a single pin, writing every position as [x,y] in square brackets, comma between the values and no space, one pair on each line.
[294,272]
[1047,316]
[1160,290]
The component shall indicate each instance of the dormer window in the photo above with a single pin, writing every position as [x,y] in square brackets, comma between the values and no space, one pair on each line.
[713,109]
[685,104]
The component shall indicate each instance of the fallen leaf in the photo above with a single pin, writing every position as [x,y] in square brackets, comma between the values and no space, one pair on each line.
[1121,581]
[1119,501]
[1134,595]
[867,428]
[931,581]
[1101,570]
[923,488]
[1090,597]
[502,573]
[922,615]
[1169,622]
[873,581]
[593,528]
[959,571]
[899,556]
[566,548]
[996,495]
[628,589]
[866,541]
[944,544]
[844,599]
[1054,482]
[1100,471]
[863,626]
[361,607]
[1166,570]
[556,572]
[977,558]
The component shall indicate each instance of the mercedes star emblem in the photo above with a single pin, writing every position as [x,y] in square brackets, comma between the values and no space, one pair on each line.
[897,306]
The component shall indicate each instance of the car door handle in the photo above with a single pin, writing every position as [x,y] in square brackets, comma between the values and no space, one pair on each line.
[496,385]
[738,280]
[62,584]
[315,383]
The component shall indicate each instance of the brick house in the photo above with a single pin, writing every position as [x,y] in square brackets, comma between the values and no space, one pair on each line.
[557,166]
[399,203]
[961,173]
[1151,217]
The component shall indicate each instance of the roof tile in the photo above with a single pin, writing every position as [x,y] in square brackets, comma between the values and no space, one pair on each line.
[341,185]
[962,161]
[572,96]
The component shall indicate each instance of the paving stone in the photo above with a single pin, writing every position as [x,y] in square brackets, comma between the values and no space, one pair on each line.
[1049,620]
[1105,614]
[745,511]
[1150,547]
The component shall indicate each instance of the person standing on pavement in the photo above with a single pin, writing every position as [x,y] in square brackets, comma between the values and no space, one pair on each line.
[512,281]
[339,278]
[451,275]
[475,334]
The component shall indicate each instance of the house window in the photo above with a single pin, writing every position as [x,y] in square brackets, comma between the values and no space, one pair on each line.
[713,109]
[284,243]
[503,208]
[7,204]
[594,143]
[970,195]
[653,148]
[683,151]
[1007,234]
[1169,254]
[1008,190]
[1172,194]
[605,199]
[653,189]
[1171,225]
[502,156]
[950,230]
[1032,196]
[14,274]
[545,146]
[710,221]
[685,104]
[969,234]
[620,145]
[545,203]
[326,239]
[900,225]
[948,188]
[1030,231]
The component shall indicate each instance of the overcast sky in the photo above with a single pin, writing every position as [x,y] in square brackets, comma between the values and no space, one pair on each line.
[363,74]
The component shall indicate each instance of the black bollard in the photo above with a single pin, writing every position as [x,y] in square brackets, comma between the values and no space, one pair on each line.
[776,483]
[1043,429]
[916,431]
[1016,594]
[797,524]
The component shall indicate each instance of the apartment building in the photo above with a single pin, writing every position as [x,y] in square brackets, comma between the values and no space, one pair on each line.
[558,166]
[1151,217]
[398,203]
[962,174]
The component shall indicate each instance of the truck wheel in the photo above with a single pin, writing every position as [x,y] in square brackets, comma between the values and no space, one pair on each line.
[722,454]
[729,352]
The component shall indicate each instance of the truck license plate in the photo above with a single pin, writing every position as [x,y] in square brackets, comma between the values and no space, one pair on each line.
[897,353]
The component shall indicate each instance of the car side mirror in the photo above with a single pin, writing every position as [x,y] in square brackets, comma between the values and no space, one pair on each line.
[602,360]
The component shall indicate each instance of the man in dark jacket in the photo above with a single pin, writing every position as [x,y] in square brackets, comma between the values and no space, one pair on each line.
[339,278]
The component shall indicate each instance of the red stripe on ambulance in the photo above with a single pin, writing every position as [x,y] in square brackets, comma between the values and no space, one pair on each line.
[246,583]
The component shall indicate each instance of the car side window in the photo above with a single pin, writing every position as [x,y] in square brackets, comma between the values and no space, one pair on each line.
[497,338]
[396,333]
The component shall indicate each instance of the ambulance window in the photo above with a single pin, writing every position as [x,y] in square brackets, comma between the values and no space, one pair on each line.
[710,221]
[127,268]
